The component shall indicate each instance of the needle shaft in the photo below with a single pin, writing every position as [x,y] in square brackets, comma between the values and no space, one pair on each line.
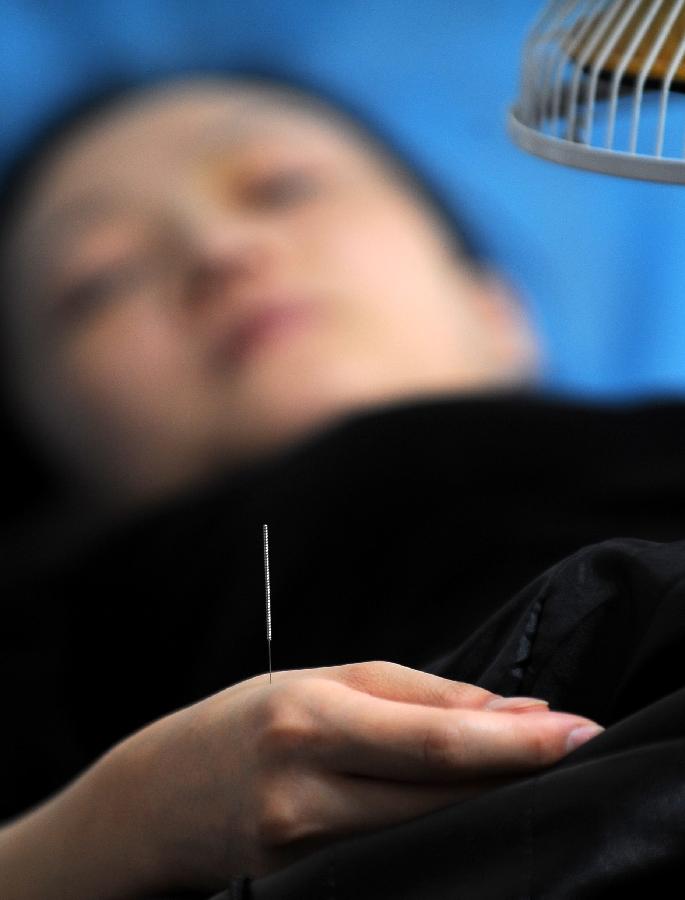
[267,584]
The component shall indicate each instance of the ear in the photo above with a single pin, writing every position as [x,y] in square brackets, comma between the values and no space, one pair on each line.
[510,336]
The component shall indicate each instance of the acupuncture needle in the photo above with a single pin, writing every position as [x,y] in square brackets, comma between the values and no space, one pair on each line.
[267,584]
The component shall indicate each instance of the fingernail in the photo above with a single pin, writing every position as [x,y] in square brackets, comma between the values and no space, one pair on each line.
[513,703]
[581,735]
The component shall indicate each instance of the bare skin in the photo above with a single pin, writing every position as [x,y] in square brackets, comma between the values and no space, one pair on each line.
[259,775]
[203,275]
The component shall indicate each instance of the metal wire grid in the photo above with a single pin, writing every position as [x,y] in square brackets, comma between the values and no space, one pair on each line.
[584,61]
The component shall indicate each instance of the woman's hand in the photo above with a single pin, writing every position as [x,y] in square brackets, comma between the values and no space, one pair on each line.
[260,774]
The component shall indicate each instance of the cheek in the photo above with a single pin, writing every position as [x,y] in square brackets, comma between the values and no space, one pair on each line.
[390,271]
[122,374]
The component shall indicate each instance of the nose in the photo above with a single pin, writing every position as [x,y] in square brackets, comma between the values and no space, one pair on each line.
[226,251]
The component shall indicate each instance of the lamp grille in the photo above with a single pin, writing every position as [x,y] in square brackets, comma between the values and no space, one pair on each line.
[603,87]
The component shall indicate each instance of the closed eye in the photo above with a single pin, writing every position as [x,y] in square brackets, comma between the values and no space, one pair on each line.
[93,292]
[282,189]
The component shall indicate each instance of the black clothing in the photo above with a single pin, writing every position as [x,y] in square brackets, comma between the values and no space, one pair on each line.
[392,537]
[601,634]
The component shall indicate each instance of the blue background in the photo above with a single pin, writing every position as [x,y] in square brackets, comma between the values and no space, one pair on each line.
[600,260]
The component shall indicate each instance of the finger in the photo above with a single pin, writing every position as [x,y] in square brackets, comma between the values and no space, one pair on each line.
[329,806]
[336,806]
[387,739]
[351,803]
[395,682]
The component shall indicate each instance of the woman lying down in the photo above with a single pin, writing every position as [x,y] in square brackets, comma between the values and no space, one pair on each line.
[203,274]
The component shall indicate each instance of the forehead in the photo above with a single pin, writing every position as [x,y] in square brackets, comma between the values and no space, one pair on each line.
[140,141]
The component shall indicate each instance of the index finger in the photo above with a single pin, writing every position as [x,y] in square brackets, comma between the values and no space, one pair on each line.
[391,681]
[395,740]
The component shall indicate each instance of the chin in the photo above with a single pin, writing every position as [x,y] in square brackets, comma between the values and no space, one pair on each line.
[287,417]
[280,403]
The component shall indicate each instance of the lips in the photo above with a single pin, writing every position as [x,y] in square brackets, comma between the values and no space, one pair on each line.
[250,333]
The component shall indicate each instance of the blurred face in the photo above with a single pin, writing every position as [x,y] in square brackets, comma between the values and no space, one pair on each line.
[204,274]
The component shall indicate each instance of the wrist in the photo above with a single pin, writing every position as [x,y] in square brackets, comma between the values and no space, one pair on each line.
[90,840]
[112,809]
